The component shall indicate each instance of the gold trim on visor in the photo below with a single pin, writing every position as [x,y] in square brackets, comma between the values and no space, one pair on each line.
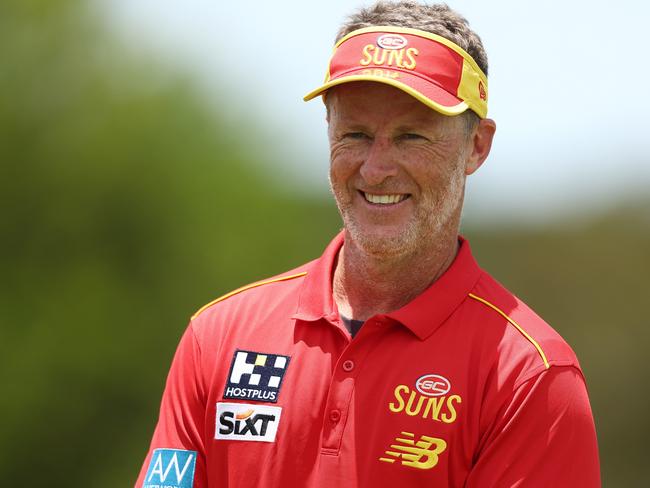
[454,110]
[473,83]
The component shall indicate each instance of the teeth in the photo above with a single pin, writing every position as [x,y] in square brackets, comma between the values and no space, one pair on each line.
[384,199]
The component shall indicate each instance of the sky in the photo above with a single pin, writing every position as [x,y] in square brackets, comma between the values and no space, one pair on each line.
[569,89]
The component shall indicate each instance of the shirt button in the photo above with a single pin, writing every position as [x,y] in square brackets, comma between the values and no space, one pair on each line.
[335,415]
[348,365]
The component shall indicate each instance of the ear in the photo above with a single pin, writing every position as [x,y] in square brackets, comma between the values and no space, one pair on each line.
[481,143]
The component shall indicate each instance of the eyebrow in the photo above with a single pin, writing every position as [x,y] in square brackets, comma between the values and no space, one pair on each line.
[406,128]
[421,124]
[353,127]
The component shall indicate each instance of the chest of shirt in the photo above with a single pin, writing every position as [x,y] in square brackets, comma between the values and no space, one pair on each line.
[306,406]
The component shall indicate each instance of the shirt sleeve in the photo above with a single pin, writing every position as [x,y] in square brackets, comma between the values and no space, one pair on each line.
[176,456]
[544,436]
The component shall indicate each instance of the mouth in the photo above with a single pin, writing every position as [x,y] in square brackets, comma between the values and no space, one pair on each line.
[389,199]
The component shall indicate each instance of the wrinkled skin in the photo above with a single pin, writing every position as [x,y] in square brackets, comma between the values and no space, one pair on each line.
[397,172]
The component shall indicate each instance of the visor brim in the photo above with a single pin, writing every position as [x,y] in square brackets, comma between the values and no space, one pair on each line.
[424,91]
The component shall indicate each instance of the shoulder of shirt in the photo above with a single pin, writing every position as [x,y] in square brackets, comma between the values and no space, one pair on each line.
[277,280]
[539,337]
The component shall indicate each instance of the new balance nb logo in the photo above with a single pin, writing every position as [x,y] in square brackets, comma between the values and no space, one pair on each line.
[256,376]
[421,454]
[170,468]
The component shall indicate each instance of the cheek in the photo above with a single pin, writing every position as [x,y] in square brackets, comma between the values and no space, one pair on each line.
[344,163]
[339,176]
[348,152]
[441,153]
[439,164]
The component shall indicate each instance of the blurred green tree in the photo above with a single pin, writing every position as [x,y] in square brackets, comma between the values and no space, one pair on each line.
[126,205]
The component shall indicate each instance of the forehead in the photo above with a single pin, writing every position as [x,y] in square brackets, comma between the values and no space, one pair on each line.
[362,101]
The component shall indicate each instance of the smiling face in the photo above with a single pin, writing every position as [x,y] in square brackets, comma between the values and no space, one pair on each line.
[397,168]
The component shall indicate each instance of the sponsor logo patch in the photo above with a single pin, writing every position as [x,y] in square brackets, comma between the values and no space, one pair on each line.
[423,453]
[170,468]
[256,376]
[245,422]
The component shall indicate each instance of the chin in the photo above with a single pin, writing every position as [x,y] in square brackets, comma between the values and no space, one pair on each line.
[382,243]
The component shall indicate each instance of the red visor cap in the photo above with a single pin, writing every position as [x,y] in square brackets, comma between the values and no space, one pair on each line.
[432,69]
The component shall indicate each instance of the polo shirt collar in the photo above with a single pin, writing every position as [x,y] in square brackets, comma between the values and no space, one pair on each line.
[429,310]
[316,299]
[422,315]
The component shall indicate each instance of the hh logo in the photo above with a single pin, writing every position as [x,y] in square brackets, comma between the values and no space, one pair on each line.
[420,454]
[243,422]
[170,468]
[256,376]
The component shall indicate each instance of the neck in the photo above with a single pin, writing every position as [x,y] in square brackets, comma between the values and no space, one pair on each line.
[365,285]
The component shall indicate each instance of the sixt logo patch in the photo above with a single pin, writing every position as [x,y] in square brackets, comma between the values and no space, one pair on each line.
[391,41]
[255,376]
[433,385]
[171,468]
[243,422]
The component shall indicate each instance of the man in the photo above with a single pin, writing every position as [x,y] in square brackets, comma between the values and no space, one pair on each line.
[392,360]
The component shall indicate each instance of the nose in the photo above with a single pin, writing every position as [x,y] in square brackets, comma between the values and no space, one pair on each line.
[379,164]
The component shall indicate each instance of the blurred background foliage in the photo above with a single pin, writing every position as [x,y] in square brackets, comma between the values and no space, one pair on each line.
[127,202]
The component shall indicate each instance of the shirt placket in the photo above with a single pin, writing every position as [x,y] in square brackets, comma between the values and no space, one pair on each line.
[339,399]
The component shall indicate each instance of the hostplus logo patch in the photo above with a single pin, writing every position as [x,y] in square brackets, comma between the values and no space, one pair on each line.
[170,468]
[256,376]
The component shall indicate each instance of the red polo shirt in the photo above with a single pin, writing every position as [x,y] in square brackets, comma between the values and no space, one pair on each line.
[464,386]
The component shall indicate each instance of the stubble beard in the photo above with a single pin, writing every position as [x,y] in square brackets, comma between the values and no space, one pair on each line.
[435,216]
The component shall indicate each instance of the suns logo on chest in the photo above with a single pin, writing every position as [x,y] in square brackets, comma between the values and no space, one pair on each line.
[430,399]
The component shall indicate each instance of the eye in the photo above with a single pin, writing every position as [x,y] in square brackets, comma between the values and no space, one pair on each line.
[409,136]
[355,135]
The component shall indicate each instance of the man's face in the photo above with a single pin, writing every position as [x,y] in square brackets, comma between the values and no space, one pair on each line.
[397,167]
